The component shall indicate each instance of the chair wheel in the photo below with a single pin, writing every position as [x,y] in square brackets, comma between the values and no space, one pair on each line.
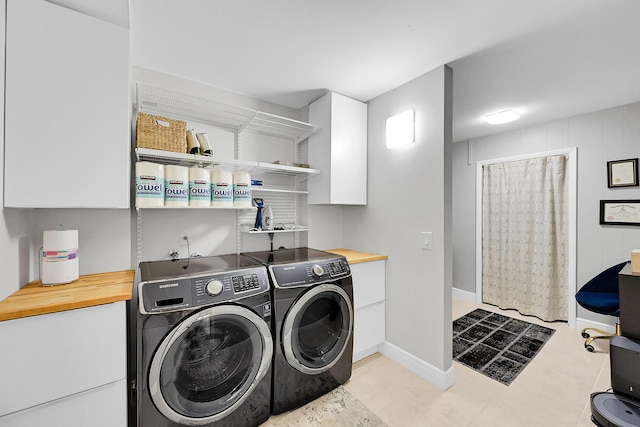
[585,335]
[589,348]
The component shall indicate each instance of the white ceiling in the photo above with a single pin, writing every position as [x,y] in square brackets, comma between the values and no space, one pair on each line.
[547,59]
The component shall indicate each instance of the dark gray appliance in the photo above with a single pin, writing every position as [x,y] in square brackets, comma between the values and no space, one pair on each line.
[312,295]
[625,366]
[204,343]
[620,408]
[629,289]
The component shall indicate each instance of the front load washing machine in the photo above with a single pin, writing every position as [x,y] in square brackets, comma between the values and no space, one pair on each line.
[204,343]
[312,296]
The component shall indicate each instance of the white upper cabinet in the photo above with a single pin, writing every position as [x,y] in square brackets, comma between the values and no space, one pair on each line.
[339,151]
[67,108]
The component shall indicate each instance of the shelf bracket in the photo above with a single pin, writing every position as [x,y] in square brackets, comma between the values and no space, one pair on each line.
[247,122]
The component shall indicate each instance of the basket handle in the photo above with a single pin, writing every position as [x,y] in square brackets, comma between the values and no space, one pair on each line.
[164,123]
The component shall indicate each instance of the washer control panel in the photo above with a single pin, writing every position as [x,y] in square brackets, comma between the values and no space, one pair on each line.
[308,273]
[199,290]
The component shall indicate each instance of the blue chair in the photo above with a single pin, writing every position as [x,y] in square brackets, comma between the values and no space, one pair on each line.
[600,295]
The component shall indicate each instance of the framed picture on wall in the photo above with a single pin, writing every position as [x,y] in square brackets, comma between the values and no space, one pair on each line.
[622,173]
[620,212]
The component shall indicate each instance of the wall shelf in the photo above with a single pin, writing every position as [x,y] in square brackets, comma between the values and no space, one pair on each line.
[293,230]
[282,182]
[231,208]
[184,159]
[166,102]
[259,189]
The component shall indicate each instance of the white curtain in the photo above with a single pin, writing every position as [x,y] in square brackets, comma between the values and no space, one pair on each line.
[524,237]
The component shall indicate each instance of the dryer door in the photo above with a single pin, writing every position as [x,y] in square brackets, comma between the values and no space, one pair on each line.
[317,329]
[209,364]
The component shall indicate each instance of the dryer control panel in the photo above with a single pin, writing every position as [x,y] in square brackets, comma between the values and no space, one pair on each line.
[309,273]
[195,291]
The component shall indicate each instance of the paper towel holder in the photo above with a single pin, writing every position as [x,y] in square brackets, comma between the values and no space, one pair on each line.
[58,263]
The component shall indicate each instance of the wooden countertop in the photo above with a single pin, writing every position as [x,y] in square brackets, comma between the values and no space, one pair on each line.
[87,291]
[355,257]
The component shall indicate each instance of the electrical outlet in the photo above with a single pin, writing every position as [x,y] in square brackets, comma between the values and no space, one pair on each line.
[184,238]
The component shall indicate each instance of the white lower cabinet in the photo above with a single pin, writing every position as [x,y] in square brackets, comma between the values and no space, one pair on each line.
[369,304]
[66,368]
[105,406]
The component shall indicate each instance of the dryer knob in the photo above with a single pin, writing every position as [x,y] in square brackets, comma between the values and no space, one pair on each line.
[214,288]
[317,270]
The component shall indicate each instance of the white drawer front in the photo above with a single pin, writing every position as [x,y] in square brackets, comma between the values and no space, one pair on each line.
[369,327]
[104,406]
[55,355]
[368,282]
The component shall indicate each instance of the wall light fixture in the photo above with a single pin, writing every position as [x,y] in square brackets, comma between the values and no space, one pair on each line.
[400,129]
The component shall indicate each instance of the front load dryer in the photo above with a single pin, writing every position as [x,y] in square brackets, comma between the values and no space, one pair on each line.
[312,295]
[205,345]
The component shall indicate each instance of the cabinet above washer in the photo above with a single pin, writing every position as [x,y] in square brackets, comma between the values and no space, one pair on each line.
[339,150]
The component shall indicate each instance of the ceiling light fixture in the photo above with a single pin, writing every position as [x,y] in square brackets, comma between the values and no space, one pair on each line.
[400,129]
[501,117]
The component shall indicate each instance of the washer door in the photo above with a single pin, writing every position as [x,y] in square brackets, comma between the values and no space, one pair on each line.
[209,364]
[317,329]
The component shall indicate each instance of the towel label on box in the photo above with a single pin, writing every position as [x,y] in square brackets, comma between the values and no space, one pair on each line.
[176,191]
[149,187]
[199,190]
[221,192]
[241,193]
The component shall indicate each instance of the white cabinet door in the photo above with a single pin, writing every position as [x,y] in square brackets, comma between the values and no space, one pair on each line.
[369,304]
[368,282]
[52,356]
[369,330]
[67,128]
[105,406]
[339,150]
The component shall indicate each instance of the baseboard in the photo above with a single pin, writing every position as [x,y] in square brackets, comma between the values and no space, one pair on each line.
[585,323]
[463,295]
[365,353]
[441,379]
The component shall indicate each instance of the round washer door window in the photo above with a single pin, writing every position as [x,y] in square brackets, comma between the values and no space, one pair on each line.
[209,364]
[316,330]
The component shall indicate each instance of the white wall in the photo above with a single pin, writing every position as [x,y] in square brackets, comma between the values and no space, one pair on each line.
[407,195]
[601,136]
[15,232]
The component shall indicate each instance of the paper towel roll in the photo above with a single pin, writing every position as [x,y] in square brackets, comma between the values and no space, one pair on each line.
[199,187]
[221,188]
[241,190]
[149,184]
[59,257]
[176,185]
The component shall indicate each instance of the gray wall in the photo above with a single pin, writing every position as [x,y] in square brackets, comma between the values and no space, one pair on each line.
[407,195]
[601,136]
[104,236]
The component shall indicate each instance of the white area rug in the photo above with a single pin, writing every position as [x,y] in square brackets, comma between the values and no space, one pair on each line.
[336,408]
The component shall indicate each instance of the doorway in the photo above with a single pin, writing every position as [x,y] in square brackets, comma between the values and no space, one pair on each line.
[571,181]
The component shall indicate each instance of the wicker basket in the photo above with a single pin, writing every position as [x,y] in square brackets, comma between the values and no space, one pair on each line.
[161,133]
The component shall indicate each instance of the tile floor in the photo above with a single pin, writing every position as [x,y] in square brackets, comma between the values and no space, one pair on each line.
[553,390]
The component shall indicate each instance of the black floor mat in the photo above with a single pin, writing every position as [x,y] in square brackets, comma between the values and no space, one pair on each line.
[495,345]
